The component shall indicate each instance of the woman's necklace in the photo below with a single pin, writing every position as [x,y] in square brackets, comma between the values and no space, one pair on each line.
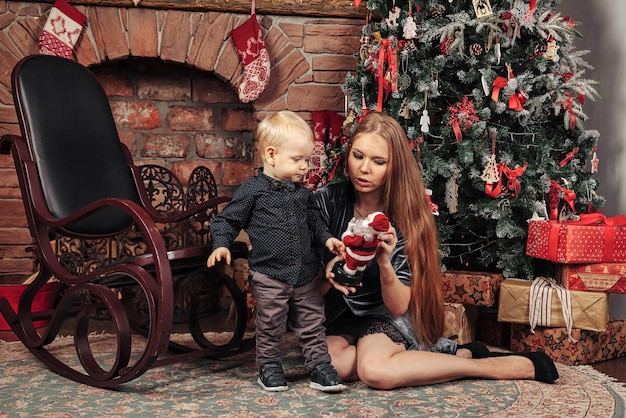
[359,214]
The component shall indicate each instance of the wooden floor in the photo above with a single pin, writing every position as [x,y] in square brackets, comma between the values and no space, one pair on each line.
[615,368]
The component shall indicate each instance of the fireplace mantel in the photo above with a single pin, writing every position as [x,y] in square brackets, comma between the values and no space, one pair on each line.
[314,8]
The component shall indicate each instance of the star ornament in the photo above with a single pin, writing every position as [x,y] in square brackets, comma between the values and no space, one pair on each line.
[594,163]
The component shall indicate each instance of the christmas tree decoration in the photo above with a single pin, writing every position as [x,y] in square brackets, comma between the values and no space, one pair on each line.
[404,79]
[491,172]
[506,68]
[61,31]
[410,27]
[248,40]
[482,8]
[433,206]
[425,122]
[462,117]
[594,161]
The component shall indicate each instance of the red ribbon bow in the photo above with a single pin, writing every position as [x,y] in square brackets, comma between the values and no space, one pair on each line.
[568,106]
[568,157]
[568,195]
[388,52]
[512,183]
[498,83]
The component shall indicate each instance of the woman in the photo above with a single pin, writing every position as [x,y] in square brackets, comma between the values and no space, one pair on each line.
[386,331]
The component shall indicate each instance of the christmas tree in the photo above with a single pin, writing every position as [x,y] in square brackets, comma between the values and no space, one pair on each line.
[490,93]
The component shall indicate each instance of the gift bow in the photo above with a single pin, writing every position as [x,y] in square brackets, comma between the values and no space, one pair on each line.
[599,219]
[569,108]
[568,195]
[587,219]
[540,302]
[499,83]
[512,184]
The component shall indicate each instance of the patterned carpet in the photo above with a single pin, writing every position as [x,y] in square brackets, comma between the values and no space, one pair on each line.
[227,388]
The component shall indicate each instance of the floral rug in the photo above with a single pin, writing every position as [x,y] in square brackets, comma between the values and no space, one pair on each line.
[228,388]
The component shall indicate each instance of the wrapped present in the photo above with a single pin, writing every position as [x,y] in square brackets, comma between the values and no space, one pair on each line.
[490,331]
[589,310]
[588,347]
[593,239]
[599,277]
[460,322]
[471,287]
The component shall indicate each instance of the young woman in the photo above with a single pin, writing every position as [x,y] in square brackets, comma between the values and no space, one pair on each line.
[386,331]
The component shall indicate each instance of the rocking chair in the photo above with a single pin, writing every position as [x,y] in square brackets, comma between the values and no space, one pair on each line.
[79,186]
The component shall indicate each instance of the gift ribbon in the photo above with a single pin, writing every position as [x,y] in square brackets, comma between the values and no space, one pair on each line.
[513,183]
[540,303]
[599,219]
[587,219]
[457,132]
[531,9]
[386,51]
[567,105]
[568,157]
[514,103]
[498,84]
[568,195]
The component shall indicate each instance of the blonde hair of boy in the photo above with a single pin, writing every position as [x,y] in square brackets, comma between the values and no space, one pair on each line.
[275,130]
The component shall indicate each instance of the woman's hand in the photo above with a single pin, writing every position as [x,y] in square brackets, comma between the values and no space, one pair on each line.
[387,244]
[396,295]
[330,278]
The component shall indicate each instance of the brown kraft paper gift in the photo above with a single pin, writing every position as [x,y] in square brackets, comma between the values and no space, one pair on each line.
[590,310]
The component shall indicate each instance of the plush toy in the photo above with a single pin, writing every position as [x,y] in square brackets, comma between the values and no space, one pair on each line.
[361,239]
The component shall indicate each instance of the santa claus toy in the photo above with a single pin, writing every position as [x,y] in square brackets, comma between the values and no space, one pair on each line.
[361,239]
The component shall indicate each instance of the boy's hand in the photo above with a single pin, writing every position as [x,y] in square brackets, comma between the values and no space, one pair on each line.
[336,246]
[219,254]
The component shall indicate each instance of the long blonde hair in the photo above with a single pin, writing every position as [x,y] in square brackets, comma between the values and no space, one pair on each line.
[407,205]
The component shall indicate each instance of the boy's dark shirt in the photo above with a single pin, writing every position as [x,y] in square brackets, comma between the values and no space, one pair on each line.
[283,226]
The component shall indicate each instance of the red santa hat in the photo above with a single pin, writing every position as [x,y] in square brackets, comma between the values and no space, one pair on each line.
[378,221]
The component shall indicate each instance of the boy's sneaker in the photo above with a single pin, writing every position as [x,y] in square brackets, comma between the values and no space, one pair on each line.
[272,378]
[324,377]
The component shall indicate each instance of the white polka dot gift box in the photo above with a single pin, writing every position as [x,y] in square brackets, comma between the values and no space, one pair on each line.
[593,239]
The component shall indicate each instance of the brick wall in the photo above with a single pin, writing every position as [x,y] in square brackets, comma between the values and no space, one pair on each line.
[171,77]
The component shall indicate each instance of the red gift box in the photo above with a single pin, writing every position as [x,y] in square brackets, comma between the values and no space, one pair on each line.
[589,347]
[599,277]
[593,239]
[471,287]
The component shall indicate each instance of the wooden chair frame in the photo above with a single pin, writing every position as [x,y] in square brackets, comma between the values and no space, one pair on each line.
[134,214]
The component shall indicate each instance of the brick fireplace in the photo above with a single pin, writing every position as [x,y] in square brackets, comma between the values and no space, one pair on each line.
[171,77]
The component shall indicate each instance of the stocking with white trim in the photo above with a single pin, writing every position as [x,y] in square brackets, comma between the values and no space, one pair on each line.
[61,31]
[248,40]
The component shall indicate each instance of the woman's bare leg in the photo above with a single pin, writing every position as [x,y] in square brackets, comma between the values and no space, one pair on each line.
[382,364]
[343,354]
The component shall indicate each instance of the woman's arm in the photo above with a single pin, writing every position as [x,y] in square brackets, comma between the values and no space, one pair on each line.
[396,294]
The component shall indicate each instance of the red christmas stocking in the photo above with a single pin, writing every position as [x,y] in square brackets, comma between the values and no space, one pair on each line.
[61,31]
[327,128]
[248,40]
